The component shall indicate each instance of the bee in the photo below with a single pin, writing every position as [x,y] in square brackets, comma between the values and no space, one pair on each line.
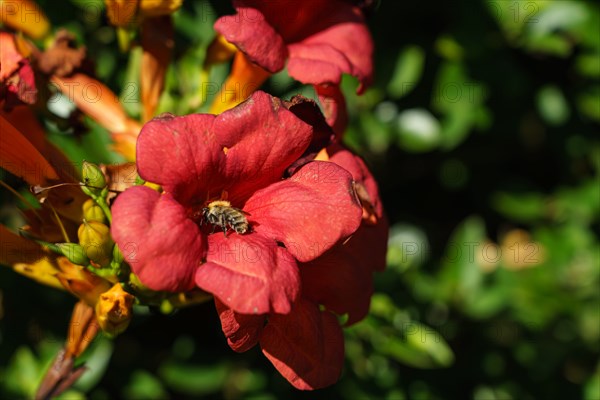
[221,213]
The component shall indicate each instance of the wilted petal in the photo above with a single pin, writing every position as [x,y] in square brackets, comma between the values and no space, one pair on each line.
[309,212]
[241,330]
[62,57]
[306,346]
[163,246]
[249,273]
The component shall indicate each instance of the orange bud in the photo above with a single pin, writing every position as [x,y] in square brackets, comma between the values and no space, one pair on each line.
[25,16]
[114,310]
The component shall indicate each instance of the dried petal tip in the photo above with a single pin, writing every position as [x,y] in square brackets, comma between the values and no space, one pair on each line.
[114,310]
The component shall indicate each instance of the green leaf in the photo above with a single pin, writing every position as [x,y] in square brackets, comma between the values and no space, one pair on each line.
[521,207]
[144,385]
[418,346]
[407,71]
[461,276]
[552,105]
[193,379]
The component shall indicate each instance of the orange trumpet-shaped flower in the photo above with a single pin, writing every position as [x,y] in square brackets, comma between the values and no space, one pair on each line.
[80,282]
[245,78]
[100,103]
[157,44]
[95,99]
[21,158]
[33,261]
[129,12]
[25,152]
[83,328]
[25,16]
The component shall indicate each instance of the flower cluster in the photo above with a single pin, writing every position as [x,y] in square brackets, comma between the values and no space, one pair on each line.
[256,206]
[317,40]
[269,281]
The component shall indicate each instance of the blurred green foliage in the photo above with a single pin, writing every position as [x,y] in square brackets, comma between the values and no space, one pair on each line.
[482,130]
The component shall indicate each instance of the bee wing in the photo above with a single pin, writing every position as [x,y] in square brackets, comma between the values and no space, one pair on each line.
[242,211]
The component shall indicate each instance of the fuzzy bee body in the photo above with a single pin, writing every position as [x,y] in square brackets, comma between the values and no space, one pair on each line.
[220,213]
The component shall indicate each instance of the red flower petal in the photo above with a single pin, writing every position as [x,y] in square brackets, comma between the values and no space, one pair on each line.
[360,172]
[241,330]
[10,58]
[306,346]
[161,244]
[310,212]
[253,35]
[342,278]
[249,273]
[240,151]
[317,63]
[180,153]
[325,38]
[348,36]
[334,107]
[262,138]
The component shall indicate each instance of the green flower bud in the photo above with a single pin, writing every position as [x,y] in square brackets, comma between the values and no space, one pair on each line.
[117,255]
[93,178]
[93,212]
[74,253]
[95,238]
